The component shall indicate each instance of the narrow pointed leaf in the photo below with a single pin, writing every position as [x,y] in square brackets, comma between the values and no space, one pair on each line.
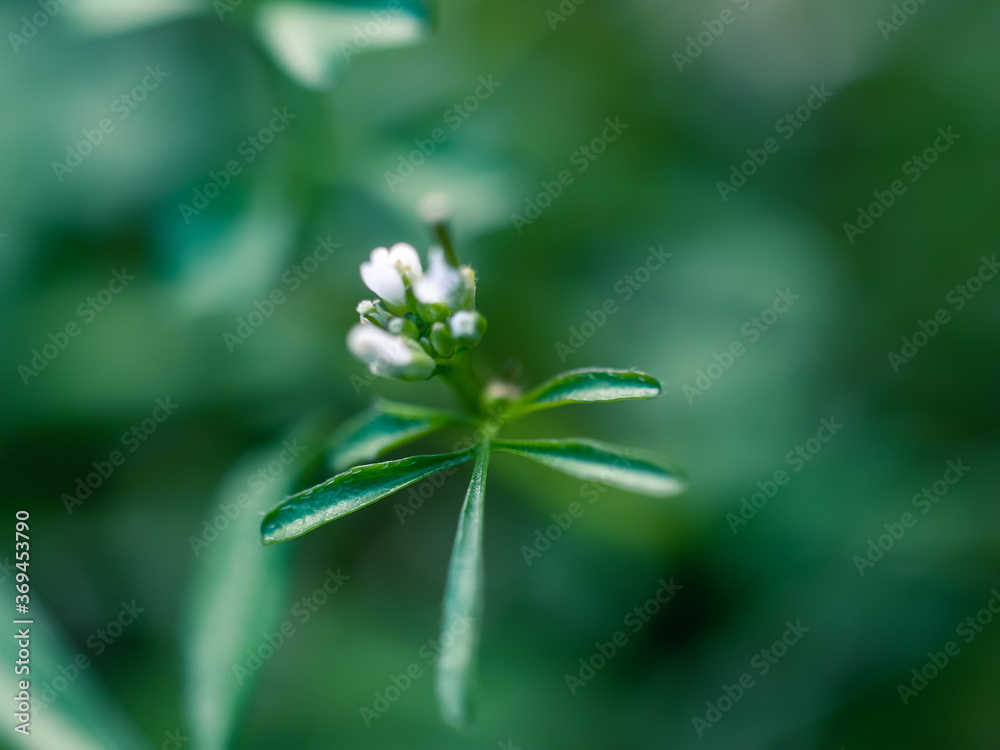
[587,385]
[237,595]
[80,715]
[349,491]
[313,41]
[381,428]
[463,603]
[612,465]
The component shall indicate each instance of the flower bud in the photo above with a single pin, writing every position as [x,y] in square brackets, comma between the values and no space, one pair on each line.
[467,299]
[388,355]
[373,312]
[435,208]
[403,327]
[433,313]
[442,340]
[467,328]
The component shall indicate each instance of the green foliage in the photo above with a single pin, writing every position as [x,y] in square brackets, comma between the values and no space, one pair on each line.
[350,491]
[393,347]
[313,41]
[591,384]
[236,597]
[612,465]
[386,425]
[749,551]
[85,718]
[463,601]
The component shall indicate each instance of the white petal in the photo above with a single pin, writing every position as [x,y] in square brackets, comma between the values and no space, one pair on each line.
[384,280]
[405,258]
[380,256]
[441,284]
[374,346]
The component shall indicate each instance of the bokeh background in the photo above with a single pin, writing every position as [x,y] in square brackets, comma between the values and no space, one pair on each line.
[363,86]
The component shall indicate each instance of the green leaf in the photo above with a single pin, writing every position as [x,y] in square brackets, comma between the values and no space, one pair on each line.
[70,707]
[463,603]
[591,384]
[238,594]
[612,465]
[93,16]
[314,40]
[381,428]
[349,491]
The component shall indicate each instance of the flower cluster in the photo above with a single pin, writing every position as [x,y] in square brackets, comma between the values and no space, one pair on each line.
[422,319]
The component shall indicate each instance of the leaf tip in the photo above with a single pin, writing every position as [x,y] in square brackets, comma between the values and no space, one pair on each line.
[271,531]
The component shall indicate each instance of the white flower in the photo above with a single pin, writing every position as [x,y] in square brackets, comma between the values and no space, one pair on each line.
[443,283]
[388,355]
[373,312]
[406,260]
[381,276]
[389,270]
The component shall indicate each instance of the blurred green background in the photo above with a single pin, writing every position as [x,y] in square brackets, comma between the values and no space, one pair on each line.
[362,88]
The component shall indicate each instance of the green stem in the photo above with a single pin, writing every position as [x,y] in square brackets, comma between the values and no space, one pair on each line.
[462,379]
[444,239]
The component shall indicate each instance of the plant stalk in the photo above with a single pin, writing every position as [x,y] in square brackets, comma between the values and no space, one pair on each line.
[463,380]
